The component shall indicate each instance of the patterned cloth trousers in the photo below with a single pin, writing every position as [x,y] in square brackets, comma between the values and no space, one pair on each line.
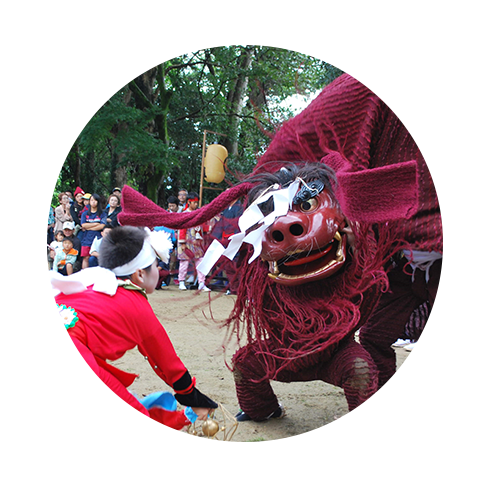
[349,367]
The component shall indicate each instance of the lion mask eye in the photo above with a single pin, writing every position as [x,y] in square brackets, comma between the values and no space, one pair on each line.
[309,205]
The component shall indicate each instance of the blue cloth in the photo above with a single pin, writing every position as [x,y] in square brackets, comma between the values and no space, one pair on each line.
[167,401]
[167,230]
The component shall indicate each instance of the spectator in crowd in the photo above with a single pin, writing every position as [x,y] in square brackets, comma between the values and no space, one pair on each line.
[50,226]
[53,248]
[225,227]
[62,213]
[110,214]
[190,248]
[172,204]
[182,196]
[86,201]
[91,227]
[96,244]
[163,274]
[69,232]
[77,207]
[65,258]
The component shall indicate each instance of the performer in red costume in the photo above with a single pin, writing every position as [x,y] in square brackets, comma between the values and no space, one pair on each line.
[323,237]
[107,313]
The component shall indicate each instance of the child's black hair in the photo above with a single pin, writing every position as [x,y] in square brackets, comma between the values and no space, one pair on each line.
[173,199]
[68,239]
[121,245]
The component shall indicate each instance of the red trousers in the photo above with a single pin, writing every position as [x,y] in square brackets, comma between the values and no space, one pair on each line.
[387,322]
[118,410]
[349,367]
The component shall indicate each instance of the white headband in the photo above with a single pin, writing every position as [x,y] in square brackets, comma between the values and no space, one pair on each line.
[143,259]
[156,244]
[104,280]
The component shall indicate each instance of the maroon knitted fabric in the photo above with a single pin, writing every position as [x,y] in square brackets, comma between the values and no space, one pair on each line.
[350,119]
[137,210]
[349,367]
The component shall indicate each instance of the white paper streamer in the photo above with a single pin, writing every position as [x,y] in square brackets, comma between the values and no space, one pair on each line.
[252,216]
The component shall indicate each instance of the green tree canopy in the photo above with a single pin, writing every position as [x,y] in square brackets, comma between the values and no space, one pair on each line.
[149,134]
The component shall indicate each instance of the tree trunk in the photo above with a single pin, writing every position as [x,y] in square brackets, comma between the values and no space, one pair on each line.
[142,89]
[236,101]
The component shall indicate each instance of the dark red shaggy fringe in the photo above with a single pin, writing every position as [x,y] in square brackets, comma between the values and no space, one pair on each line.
[295,327]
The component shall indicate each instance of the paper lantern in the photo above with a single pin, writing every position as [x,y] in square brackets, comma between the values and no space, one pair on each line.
[214,163]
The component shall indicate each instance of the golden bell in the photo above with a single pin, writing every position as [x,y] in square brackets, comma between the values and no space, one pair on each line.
[210,428]
[214,163]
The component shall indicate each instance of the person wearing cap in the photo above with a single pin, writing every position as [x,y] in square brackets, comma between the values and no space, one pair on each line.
[86,201]
[106,313]
[77,207]
[68,230]
[190,247]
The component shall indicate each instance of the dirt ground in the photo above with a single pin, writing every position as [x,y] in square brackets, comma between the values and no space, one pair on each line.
[197,338]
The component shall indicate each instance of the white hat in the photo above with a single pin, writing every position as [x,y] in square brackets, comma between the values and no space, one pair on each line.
[69,225]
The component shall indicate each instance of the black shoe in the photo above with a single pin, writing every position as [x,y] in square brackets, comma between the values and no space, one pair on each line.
[388,402]
[241,416]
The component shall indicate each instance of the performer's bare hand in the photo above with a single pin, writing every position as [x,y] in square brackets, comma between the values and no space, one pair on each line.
[202,413]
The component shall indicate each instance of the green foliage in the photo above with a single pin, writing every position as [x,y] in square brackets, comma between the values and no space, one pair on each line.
[150,133]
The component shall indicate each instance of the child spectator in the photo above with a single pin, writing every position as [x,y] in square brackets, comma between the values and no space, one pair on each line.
[91,227]
[65,258]
[190,247]
[54,247]
[106,314]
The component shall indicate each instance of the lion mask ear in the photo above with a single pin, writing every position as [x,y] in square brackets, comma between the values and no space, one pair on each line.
[375,195]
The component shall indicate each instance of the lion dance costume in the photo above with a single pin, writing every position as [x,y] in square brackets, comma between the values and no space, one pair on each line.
[346,232]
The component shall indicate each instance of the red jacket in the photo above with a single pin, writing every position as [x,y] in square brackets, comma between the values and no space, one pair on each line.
[112,325]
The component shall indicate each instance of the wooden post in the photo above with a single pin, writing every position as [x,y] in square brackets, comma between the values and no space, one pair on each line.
[202,166]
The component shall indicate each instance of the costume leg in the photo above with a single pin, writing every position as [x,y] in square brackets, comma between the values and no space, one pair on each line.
[256,399]
[387,322]
[118,410]
[351,368]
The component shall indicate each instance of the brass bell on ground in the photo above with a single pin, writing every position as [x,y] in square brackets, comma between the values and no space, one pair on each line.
[210,428]
[214,163]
